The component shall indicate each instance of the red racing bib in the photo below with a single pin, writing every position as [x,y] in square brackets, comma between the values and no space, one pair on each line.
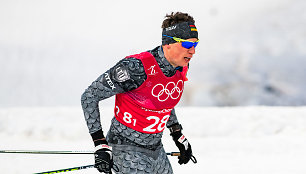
[147,108]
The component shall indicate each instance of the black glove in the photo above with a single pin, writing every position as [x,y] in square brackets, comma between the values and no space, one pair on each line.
[184,147]
[103,158]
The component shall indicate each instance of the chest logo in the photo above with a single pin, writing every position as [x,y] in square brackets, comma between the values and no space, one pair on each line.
[172,90]
[152,70]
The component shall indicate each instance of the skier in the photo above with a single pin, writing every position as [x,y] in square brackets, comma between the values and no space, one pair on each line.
[147,87]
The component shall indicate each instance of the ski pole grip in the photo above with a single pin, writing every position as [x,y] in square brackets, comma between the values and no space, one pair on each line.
[175,154]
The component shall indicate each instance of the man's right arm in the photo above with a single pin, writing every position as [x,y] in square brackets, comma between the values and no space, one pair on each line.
[126,75]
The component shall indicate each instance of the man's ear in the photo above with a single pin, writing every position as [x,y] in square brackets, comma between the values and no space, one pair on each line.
[167,46]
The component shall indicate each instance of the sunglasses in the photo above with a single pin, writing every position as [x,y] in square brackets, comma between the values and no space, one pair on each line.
[185,43]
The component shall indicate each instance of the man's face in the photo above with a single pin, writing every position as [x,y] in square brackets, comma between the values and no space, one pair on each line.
[177,55]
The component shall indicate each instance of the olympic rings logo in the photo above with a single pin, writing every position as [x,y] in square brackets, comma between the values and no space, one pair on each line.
[171,90]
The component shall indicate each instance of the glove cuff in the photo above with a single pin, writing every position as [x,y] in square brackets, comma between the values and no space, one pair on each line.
[176,135]
[175,128]
[98,138]
[103,146]
[182,139]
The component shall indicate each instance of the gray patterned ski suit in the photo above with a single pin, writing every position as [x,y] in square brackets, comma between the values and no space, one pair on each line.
[133,151]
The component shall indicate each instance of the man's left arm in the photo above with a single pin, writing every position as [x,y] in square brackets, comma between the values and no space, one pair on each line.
[180,140]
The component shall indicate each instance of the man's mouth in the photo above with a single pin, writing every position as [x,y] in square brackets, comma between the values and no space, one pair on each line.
[187,58]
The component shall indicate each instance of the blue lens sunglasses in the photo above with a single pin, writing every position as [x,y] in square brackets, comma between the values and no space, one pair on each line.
[185,43]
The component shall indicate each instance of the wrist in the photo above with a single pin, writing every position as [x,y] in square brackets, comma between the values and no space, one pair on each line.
[175,128]
[176,135]
[98,137]
[100,142]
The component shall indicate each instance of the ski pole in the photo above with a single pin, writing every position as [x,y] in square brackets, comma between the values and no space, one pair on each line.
[46,152]
[67,170]
[115,167]
[174,153]
[64,152]
[193,159]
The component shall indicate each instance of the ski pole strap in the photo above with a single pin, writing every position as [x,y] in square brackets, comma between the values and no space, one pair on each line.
[193,159]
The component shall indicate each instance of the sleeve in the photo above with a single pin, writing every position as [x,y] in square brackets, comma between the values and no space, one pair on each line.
[172,119]
[126,75]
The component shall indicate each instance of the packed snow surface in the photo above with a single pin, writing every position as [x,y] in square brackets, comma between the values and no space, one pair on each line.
[231,140]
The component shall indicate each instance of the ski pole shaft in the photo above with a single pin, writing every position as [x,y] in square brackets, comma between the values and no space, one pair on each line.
[67,170]
[46,152]
[193,159]
[64,152]
[174,153]
[78,152]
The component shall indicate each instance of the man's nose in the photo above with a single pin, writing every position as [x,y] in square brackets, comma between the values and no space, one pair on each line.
[191,50]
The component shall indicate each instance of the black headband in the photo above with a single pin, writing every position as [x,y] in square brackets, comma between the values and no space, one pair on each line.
[184,30]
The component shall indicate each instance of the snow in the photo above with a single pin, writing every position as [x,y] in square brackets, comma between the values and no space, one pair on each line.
[251,53]
[233,140]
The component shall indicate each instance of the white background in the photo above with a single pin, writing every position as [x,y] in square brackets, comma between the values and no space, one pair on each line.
[250,53]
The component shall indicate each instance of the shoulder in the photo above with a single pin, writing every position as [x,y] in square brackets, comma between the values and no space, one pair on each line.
[129,73]
[131,64]
[128,69]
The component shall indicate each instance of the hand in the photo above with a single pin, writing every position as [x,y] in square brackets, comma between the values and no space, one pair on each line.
[184,147]
[103,158]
